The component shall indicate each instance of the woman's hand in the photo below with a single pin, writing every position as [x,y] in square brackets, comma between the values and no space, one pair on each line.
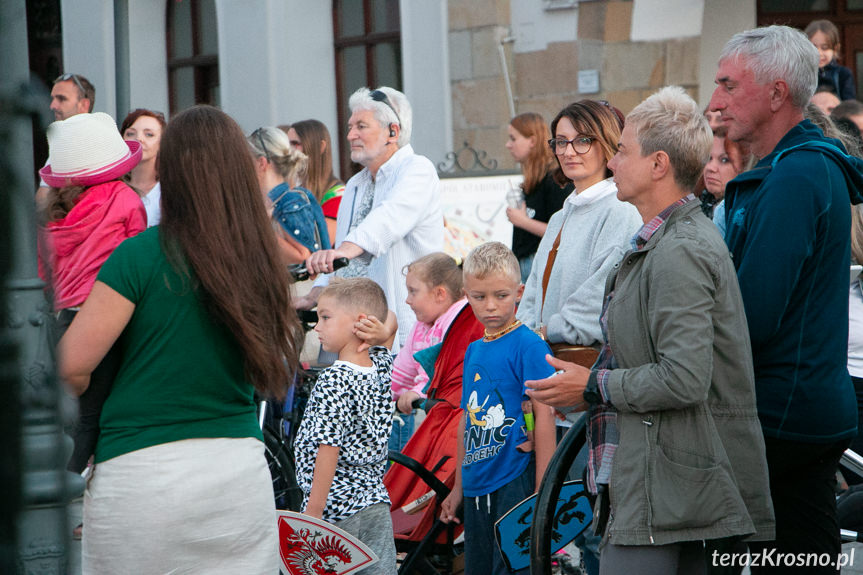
[450,506]
[518,216]
[565,388]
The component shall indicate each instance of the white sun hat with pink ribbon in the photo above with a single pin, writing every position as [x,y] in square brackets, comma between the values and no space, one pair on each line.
[87,149]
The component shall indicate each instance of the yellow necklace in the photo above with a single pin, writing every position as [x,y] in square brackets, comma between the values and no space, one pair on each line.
[486,336]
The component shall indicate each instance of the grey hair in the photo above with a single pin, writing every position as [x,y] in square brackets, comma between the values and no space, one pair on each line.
[672,122]
[778,53]
[400,113]
[290,164]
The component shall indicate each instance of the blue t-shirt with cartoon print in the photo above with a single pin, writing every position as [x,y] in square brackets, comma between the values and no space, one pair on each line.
[492,392]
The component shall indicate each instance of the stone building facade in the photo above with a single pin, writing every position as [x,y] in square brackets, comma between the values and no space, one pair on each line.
[485,54]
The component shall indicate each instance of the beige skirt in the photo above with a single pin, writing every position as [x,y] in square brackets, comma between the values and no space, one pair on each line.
[192,506]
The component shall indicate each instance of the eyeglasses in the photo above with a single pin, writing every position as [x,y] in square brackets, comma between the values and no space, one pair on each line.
[74,78]
[580,145]
[379,96]
[263,145]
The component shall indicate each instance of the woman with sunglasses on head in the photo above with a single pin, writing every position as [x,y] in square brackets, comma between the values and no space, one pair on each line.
[297,216]
[542,195]
[146,126]
[202,313]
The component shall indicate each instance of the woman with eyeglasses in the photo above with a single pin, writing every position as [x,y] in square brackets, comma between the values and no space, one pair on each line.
[563,296]
[146,126]
[296,215]
[592,230]
[541,196]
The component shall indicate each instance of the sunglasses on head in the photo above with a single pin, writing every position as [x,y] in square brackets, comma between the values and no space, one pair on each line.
[263,145]
[379,96]
[74,78]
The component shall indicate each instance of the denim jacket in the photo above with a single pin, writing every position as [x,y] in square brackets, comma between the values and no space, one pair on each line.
[300,216]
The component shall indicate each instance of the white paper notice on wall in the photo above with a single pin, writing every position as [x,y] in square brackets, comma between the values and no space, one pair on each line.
[665,19]
[474,212]
[588,81]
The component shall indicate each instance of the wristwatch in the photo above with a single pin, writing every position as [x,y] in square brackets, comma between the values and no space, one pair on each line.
[591,392]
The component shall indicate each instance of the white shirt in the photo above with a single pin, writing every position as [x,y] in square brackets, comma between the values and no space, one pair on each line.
[152,205]
[404,224]
[855,329]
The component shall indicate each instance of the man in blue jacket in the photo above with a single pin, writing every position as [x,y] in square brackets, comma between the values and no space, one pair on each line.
[788,229]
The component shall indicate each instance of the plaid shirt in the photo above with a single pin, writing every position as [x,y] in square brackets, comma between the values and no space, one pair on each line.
[602,433]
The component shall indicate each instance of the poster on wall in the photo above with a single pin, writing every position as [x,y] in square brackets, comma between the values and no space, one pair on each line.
[474,211]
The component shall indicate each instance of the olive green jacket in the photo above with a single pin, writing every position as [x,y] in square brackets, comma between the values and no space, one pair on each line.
[690,463]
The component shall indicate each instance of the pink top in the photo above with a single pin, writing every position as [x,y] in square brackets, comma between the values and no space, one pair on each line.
[408,375]
[78,244]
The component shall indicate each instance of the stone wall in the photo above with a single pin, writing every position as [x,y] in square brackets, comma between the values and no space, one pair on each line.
[545,81]
[480,107]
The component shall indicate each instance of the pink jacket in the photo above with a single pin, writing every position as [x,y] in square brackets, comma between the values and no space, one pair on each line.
[77,245]
[407,373]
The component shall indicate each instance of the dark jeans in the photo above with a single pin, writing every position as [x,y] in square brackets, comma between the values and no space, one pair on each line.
[85,433]
[802,486]
[857,442]
[481,553]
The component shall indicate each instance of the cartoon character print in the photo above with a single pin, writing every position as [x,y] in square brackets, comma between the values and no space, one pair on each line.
[488,426]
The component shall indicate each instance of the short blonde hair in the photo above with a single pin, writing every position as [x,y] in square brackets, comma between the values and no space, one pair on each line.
[492,258]
[361,295]
[671,121]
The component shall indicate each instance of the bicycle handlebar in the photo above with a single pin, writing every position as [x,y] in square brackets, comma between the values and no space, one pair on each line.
[300,273]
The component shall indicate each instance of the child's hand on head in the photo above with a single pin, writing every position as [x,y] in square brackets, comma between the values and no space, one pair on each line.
[369,329]
[374,332]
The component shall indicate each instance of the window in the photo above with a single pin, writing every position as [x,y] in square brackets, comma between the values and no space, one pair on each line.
[193,54]
[846,14]
[368,53]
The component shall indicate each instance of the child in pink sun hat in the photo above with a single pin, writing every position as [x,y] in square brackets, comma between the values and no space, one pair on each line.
[87,213]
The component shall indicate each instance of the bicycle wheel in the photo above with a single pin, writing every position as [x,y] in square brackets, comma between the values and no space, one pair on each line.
[287,493]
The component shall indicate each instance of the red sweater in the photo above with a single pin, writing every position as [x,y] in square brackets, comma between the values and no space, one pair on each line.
[77,245]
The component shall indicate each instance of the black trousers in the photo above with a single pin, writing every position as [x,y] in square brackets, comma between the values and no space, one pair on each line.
[85,433]
[857,443]
[802,486]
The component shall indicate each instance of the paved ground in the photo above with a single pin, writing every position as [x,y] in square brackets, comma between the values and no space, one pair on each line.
[75,549]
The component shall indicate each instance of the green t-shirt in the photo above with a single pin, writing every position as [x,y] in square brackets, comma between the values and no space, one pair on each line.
[182,372]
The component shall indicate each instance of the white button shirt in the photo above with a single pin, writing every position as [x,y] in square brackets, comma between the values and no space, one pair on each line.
[404,224]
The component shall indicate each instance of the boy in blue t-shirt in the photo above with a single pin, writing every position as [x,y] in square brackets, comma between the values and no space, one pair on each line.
[503,455]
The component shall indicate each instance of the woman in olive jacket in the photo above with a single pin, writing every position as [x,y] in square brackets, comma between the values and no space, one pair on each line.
[676,446]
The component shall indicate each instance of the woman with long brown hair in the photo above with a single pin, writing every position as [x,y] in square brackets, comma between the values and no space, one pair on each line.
[201,308]
[313,139]
[543,196]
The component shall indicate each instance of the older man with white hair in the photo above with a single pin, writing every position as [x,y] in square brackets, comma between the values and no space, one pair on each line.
[390,213]
[788,228]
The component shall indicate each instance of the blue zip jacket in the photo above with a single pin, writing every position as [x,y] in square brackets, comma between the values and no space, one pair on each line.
[788,226]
